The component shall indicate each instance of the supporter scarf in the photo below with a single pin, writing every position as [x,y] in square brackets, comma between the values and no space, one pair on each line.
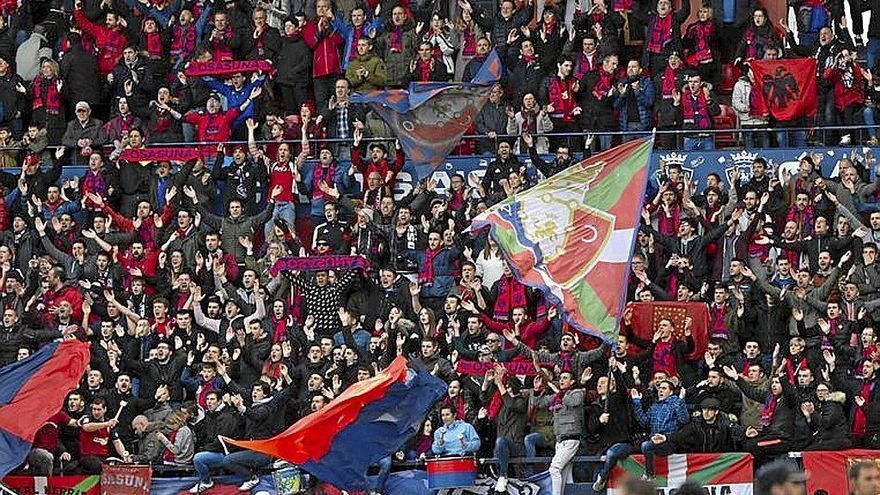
[529,123]
[511,294]
[356,34]
[719,326]
[792,370]
[327,175]
[556,401]
[154,45]
[603,85]
[664,358]
[227,67]
[426,273]
[549,27]
[424,70]
[585,64]
[661,34]
[668,82]
[46,95]
[396,39]
[183,42]
[695,111]
[159,154]
[204,390]
[623,5]
[279,327]
[769,409]
[458,403]
[272,369]
[860,420]
[316,263]
[702,33]
[469,43]
[495,403]
[168,455]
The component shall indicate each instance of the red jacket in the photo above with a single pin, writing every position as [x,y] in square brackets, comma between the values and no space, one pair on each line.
[382,166]
[67,293]
[845,96]
[213,127]
[109,42]
[325,49]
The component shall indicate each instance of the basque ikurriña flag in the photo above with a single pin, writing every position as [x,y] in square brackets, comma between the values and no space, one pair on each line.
[370,420]
[31,391]
[571,235]
[430,118]
[729,473]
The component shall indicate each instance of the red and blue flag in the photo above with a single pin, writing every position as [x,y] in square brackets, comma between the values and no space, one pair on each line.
[370,420]
[430,118]
[31,391]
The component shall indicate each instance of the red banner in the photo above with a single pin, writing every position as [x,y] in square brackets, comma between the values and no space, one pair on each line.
[828,469]
[71,485]
[160,154]
[788,87]
[646,316]
[126,480]
[526,368]
[227,67]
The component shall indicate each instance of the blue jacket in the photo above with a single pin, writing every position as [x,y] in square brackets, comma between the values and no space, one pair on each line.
[444,265]
[643,98]
[347,32]
[453,435]
[664,416]
[236,97]
[307,186]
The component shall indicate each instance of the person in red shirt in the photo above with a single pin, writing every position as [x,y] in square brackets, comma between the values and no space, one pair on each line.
[109,37]
[95,436]
[213,125]
[46,445]
[57,293]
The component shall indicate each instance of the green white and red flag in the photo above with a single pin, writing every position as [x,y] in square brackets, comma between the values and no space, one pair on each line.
[571,235]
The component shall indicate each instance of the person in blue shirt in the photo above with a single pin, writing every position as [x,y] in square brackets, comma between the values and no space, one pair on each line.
[237,93]
[456,437]
[666,415]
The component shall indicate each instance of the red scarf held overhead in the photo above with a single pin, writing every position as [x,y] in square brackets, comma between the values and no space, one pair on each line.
[426,274]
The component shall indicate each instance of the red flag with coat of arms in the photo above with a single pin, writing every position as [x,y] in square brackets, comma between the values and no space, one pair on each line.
[571,235]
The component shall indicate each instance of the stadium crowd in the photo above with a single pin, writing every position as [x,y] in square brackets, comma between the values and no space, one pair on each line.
[168,274]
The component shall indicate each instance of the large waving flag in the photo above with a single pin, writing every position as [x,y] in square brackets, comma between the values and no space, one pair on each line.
[787,87]
[572,234]
[33,390]
[430,118]
[370,420]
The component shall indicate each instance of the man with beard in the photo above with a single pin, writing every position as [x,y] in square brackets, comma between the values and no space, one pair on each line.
[561,161]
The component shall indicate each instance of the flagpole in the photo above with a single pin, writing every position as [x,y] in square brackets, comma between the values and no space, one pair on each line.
[6,489]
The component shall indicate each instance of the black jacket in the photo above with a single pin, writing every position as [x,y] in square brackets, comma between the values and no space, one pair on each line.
[698,436]
[294,61]
[225,421]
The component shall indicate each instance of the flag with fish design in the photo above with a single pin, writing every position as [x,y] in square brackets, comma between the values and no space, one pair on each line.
[572,234]
[430,118]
